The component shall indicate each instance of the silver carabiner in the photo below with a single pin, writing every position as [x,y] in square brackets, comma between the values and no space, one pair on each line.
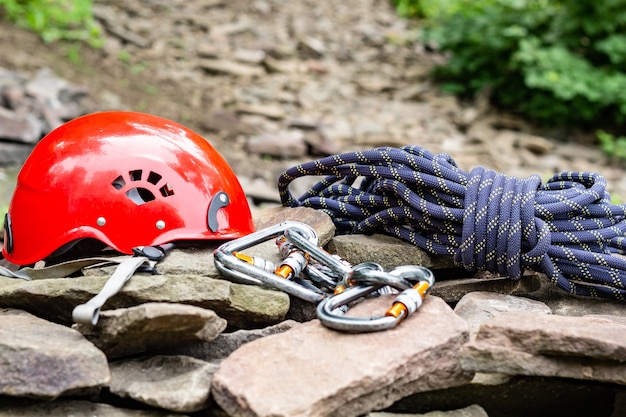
[233,268]
[330,314]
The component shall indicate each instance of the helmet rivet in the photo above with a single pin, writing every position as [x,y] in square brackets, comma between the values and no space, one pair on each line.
[223,198]
[160,224]
[101,221]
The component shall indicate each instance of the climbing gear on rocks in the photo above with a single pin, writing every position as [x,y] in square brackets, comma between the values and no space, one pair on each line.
[127,181]
[312,274]
[566,228]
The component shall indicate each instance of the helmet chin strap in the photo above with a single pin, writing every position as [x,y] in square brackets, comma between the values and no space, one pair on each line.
[145,259]
[89,312]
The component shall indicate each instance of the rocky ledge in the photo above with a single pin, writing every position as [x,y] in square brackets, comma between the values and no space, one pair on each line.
[189,342]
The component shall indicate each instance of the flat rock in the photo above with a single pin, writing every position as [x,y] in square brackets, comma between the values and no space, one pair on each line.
[176,383]
[388,251]
[39,359]
[226,343]
[241,305]
[517,343]
[151,326]
[480,306]
[313,371]
[453,285]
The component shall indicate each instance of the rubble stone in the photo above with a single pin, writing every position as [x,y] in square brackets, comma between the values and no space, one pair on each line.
[39,359]
[175,383]
[289,144]
[151,326]
[226,343]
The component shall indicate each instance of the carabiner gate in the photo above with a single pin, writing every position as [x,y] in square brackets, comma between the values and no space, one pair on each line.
[331,315]
[243,269]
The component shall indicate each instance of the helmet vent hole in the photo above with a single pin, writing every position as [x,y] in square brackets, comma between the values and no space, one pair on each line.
[140,195]
[118,183]
[166,190]
[154,178]
[135,175]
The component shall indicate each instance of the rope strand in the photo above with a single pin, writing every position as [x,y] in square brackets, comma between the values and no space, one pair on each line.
[566,228]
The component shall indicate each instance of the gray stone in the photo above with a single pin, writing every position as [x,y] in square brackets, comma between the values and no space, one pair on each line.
[564,304]
[76,408]
[318,220]
[242,306]
[535,144]
[151,326]
[230,123]
[39,359]
[453,288]
[388,251]
[270,111]
[24,128]
[519,343]
[286,144]
[220,66]
[227,343]
[176,383]
[478,307]
[314,371]
[260,191]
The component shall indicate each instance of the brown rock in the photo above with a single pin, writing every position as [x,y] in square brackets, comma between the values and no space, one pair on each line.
[314,371]
[151,326]
[591,348]
[480,306]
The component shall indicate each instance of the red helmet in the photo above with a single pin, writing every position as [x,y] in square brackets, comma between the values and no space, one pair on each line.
[126,179]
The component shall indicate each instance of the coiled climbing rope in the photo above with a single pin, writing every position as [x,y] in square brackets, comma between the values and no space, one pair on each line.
[566,228]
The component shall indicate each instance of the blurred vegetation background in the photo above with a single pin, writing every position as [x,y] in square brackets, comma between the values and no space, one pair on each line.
[556,62]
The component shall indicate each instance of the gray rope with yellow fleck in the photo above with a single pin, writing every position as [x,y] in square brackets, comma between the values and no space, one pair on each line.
[566,228]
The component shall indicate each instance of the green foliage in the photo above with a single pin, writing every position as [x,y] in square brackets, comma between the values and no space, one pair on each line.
[408,8]
[556,61]
[55,20]
[429,9]
[614,146]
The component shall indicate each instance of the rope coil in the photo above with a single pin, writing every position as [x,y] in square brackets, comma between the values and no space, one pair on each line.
[566,228]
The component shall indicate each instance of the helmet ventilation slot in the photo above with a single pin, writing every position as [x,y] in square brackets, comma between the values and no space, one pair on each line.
[141,195]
